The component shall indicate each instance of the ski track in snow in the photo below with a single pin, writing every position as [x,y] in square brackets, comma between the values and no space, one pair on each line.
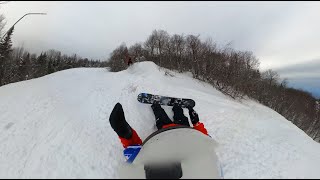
[57,126]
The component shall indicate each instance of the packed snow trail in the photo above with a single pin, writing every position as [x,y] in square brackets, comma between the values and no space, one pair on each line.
[57,126]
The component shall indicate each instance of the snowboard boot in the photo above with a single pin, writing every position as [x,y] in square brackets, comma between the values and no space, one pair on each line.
[160,115]
[193,116]
[118,122]
[178,116]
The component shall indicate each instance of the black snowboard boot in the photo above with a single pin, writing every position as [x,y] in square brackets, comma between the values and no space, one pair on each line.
[193,116]
[118,122]
[160,115]
[178,116]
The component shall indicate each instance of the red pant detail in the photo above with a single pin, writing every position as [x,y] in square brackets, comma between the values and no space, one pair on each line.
[134,140]
[169,125]
[200,127]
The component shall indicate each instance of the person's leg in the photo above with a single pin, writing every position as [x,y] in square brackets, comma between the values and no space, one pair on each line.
[178,116]
[161,116]
[128,136]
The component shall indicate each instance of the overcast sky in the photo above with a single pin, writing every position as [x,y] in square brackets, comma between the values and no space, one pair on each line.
[283,35]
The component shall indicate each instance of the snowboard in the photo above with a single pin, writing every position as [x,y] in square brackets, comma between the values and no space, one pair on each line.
[165,100]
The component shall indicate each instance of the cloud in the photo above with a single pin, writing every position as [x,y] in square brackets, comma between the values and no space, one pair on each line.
[308,69]
[279,33]
[304,76]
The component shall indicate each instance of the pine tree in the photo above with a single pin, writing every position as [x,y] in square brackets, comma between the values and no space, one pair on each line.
[24,67]
[41,65]
[50,67]
[5,49]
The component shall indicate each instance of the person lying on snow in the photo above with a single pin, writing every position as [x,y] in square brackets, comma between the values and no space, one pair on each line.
[162,153]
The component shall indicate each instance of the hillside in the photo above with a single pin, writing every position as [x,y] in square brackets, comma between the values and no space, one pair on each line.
[57,126]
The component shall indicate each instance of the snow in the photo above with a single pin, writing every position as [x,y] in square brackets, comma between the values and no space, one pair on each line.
[57,126]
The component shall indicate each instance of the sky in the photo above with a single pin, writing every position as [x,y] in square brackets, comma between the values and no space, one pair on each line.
[284,36]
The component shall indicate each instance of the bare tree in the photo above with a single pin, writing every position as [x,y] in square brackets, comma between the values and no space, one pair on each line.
[178,44]
[271,76]
[162,38]
[137,51]
[193,48]
[117,59]
[150,44]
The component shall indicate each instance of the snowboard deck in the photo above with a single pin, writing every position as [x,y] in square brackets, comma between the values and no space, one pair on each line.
[165,100]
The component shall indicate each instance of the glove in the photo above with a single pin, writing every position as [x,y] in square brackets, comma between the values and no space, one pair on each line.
[193,115]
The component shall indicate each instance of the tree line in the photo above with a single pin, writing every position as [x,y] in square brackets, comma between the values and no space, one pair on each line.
[235,73]
[17,64]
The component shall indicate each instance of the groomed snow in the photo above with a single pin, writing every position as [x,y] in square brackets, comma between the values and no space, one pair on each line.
[57,126]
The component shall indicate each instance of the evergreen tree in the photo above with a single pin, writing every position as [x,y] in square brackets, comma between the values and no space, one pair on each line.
[24,67]
[5,49]
[50,67]
[41,65]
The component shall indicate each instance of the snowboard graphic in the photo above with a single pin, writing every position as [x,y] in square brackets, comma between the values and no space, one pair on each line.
[165,100]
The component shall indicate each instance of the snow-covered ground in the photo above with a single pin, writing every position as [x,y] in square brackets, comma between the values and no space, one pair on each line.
[57,126]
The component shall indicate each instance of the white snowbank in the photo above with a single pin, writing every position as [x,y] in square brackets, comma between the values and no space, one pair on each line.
[57,126]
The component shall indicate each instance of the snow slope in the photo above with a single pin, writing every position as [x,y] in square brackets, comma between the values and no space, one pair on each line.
[57,126]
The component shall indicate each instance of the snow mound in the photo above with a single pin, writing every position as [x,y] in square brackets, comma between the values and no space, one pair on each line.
[57,126]
[146,67]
